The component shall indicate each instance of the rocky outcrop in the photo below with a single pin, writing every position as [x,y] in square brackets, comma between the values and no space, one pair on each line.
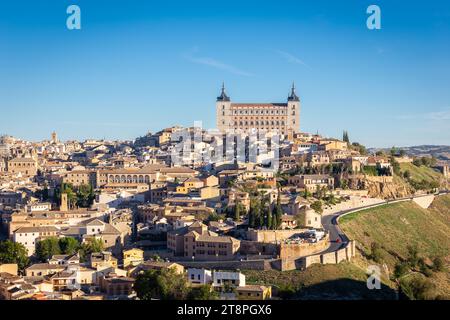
[387,188]
[384,187]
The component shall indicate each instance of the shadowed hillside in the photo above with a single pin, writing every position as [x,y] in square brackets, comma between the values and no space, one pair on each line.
[406,239]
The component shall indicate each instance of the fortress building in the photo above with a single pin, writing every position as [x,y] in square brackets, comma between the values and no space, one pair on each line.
[283,117]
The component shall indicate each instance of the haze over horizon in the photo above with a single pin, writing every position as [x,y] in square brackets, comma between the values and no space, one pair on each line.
[145,66]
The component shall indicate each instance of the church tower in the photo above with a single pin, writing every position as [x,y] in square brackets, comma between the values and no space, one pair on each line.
[54,137]
[293,112]
[223,111]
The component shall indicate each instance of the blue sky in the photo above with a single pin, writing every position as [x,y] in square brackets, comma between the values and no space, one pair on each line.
[139,66]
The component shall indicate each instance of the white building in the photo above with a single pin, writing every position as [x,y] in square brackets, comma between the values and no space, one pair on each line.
[199,276]
[28,236]
[231,278]
[37,207]
[115,199]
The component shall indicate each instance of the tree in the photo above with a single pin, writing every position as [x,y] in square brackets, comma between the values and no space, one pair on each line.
[317,206]
[46,248]
[69,245]
[269,219]
[394,151]
[319,192]
[215,217]
[407,174]
[91,246]
[306,194]
[345,137]
[278,213]
[395,165]
[13,252]
[254,212]
[417,162]
[238,210]
[203,292]
[359,147]
[85,195]
[163,284]
[402,153]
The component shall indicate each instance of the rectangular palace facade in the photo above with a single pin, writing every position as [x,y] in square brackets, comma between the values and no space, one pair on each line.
[281,117]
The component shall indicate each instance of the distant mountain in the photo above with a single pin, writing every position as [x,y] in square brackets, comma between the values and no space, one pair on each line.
[442,153]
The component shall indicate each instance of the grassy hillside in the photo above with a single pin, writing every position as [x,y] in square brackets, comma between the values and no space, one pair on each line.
[325,282]
[395,227]
[421,173]
[398,225]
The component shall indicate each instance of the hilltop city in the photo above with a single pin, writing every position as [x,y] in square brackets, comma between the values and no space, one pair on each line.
[201,212]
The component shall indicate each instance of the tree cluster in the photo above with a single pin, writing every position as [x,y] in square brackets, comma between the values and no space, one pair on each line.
[13,252]
[81,197]
[48,247]
[166,284]
[261,215]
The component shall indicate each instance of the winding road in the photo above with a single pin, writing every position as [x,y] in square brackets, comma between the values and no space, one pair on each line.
[331,225]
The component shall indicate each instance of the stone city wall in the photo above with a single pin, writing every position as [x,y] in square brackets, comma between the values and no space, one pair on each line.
[343,254]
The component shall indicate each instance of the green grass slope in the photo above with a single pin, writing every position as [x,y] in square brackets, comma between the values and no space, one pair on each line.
[396,226]
[421,173]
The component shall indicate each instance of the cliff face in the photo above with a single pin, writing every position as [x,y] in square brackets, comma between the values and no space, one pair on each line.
[385,190]
[382,187]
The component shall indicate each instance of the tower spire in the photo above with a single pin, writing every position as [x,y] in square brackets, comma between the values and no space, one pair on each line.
[293,96]
[223,96]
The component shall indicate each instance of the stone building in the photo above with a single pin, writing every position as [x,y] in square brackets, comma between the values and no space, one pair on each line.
[196,242]
[283,117]
[25,166]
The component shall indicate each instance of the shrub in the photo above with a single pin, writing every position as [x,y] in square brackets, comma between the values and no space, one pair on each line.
[401,269]
[413,256]
[438,264]
[418,289]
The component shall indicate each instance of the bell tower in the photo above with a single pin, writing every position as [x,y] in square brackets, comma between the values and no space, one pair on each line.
[223,111]
[293,112]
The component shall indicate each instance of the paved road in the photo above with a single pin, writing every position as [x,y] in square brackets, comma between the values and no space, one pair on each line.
[331,225]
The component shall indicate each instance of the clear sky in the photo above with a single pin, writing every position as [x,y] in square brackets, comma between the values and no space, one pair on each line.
[139,66]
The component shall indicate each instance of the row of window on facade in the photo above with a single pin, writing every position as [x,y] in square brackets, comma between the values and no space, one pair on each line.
[256,112]
[211,252]
[129,179]
[259,123]
[23,164]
